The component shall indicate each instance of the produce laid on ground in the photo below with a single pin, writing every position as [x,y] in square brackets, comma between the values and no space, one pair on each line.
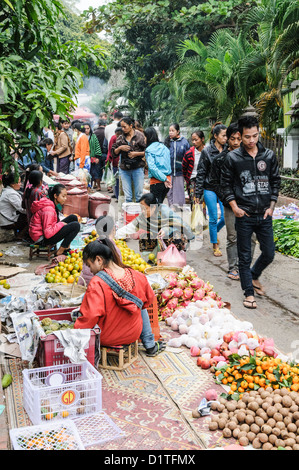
[131,258]
[5,284]
[254,372]
[286,236]
[67,271]
[261,405]
[184,288]
[91,238]
[202,325]
[265,419]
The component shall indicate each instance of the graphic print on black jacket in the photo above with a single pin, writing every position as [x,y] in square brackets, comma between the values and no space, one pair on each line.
[203,178]
[252,182]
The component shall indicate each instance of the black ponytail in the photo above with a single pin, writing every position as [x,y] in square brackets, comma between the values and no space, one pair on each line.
[105,249]
[55,190]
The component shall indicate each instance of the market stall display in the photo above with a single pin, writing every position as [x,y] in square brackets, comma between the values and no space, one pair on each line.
[183,288]
[261,370]
[131,258]
[67,271]
[265,419]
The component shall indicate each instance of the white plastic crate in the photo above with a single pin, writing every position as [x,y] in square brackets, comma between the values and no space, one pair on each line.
[62,391]
[97,429]
[60,435]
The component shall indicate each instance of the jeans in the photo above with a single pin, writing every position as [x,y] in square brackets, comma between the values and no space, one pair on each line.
[215,226]
[66,233]
[231,240]
[147,337]
[245,227]
[132,178]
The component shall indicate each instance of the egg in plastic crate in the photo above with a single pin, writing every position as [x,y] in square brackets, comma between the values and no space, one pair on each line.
[60,435]
[62,391]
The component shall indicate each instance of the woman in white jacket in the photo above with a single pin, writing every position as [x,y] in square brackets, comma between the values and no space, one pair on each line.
[12,214]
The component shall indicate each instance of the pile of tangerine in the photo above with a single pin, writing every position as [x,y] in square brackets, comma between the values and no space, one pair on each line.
[67,271]
[252,373]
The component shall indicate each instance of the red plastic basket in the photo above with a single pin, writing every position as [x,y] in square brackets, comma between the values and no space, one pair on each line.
[50,351]
[153,316]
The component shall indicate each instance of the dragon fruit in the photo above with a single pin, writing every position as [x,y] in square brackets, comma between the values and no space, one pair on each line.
[199,294]
[182,283]
[185,303]
[172,303]
[166,313]
[197,283]
[177,292]
[172,283]
[208,287]
[188,293]
[166,295]
[220,304]
[212,295]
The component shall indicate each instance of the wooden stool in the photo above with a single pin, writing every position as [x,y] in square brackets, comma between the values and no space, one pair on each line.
[123,356]
[41,251]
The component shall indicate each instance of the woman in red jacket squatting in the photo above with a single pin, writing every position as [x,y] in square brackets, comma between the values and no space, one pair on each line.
[121,321]
[45,226]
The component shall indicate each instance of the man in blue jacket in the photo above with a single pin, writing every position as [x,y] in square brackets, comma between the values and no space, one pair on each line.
[250,181]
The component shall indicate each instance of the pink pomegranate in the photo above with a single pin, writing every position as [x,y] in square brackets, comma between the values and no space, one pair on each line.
[177,292]
[188,293]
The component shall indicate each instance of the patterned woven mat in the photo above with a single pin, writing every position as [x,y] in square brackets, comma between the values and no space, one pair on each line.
[151,401]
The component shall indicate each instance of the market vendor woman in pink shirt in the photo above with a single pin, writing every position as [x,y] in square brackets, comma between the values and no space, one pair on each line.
[45,227]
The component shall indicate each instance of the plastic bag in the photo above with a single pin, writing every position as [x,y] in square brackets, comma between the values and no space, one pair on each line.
[172,257]
[108,174]
[198,219]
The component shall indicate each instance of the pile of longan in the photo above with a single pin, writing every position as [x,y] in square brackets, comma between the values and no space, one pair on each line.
[266,419]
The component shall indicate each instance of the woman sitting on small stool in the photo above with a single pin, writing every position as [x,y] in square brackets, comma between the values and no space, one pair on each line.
[45,227]
[109,301]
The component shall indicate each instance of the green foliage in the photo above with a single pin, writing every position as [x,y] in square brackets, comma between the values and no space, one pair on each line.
[290,188]
[145,35]
[215,77]
[40,76]
[286,236]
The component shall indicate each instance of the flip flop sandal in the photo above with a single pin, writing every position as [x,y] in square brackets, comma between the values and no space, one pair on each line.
[157,349]
[217,252]
[259,290]
[250,304]
[234,276]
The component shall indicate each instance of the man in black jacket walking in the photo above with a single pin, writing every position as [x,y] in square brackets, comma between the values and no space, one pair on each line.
[250,181]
